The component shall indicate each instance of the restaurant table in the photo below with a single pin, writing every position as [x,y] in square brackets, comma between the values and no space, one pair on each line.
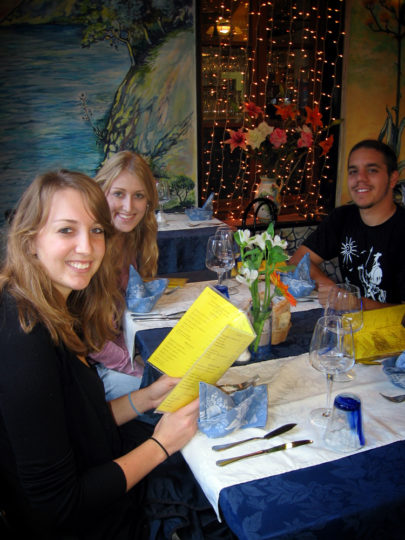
[182,244]
[312,491]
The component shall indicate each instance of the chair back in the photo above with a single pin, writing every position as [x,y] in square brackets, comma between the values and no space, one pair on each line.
[256,205]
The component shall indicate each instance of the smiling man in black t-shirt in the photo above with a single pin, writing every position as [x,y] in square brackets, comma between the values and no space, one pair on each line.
[367,236]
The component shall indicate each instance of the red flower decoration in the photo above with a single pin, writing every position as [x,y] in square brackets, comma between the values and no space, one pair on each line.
[280,151]
[326,145]
[286,111]
[306,139]
[314,117]
[238,139]
[278,137]
[253,110]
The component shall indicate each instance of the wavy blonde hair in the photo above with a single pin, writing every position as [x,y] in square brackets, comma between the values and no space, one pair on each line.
[84,322]
[143,239]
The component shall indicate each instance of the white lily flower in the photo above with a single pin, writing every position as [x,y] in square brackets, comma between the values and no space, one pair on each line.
[254,138]
[244,236]
[247,276]
[265,129]
[266,236]
[260,241]
[277,241]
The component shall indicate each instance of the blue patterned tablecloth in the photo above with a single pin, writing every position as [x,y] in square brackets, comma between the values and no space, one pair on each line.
[183,249]
[361,496]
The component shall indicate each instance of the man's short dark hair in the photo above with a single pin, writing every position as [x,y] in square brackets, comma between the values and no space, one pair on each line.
[390,157]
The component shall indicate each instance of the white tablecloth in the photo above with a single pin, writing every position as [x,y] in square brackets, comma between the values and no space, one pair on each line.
[294,389]
[177,222]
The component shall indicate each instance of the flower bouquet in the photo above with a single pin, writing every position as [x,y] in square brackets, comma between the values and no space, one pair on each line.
[263,256]
[279,150]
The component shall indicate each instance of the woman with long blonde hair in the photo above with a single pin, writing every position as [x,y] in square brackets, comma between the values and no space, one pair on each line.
[68,466]
[130,190]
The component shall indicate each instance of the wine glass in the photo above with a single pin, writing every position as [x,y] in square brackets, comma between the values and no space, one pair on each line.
[332,352]
[344,299]
[219,256]
[163,191]
[225,233]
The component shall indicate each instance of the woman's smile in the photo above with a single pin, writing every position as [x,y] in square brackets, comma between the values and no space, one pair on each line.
[127,201]
[71,245]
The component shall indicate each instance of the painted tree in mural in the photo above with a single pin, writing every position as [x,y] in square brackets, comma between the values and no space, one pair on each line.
[181,187]
[151,113]
[389,18]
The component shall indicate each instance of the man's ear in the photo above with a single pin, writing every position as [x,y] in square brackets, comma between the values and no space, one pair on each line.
[394,177]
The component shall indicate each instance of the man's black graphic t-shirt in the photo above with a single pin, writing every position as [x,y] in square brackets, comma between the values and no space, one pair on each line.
[373,258]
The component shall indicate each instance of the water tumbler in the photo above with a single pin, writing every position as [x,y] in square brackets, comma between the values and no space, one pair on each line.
[344,431]
[222,289]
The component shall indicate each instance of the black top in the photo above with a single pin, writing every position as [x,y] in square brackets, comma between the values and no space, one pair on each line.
[373,258]
[58,438]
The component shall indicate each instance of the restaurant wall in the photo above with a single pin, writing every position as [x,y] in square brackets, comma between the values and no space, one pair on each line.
[369,81]
[72,93]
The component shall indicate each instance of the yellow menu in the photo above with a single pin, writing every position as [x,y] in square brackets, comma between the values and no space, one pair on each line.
[202,346]
[382,335]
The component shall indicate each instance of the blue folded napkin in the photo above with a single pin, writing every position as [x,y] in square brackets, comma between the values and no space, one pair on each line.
[222,413]
[142,296]
[299,282]
[395,369]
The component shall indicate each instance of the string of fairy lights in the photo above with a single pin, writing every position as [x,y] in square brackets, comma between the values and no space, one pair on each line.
[248,55]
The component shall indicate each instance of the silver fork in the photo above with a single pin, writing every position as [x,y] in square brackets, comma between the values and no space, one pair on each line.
[394,399]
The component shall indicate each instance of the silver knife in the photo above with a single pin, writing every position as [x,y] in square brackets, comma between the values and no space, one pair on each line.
[156,316]
[274,433]
[285,446]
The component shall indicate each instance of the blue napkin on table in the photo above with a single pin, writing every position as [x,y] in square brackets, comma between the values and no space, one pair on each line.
[142,296]
[395,369]
[299,282]
[221,413]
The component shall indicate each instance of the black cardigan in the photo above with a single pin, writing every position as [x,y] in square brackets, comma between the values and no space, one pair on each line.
[58,438]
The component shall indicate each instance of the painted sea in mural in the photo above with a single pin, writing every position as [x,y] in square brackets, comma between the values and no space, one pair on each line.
[43,72]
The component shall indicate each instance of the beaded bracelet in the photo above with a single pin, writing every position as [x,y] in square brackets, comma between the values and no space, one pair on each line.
[132,405]
[161,445]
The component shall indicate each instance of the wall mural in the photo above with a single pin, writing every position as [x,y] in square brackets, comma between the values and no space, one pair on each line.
[374,81]
[83,79]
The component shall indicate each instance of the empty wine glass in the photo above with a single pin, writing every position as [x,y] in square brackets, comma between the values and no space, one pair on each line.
[332,352]
[219,256]
[225,233]
[344,299]
[163,191]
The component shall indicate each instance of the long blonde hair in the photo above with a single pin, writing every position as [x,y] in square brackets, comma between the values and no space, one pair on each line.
[142,241]
[84,322]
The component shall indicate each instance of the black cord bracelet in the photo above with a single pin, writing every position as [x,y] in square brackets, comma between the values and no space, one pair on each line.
[161,445]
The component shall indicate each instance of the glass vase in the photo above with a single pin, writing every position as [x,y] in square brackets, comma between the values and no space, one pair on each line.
[260,348]
[269,188]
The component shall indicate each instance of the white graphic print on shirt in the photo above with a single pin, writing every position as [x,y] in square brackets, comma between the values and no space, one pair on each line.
[370,273]
[349,248]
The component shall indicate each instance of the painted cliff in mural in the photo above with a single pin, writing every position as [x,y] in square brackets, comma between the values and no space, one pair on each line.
[85,79]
